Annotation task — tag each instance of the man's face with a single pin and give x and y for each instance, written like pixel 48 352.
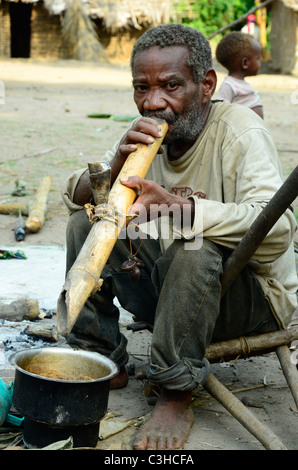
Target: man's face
pixel 164 88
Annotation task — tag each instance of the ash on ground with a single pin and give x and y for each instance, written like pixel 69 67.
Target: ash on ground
pixel 14 338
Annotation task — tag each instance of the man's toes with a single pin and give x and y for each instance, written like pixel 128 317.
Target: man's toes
pixel 140 442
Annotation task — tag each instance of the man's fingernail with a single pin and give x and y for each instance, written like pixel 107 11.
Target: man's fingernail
pixel 124 179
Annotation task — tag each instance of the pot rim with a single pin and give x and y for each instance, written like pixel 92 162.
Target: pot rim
pixel 114 369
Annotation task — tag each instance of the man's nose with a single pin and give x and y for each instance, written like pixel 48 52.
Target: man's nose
pixel 154 100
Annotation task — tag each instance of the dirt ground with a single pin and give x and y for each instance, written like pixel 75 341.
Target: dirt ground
pixel 45 130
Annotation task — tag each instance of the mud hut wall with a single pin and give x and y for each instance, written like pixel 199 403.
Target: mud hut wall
pixel 46 37
pixel 4 30
pixel 284 38
pixel 118 45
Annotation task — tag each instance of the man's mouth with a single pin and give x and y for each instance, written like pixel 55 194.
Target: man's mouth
pixel 169 118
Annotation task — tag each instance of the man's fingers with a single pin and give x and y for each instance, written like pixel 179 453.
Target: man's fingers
pixel 149 127
pixel 132 182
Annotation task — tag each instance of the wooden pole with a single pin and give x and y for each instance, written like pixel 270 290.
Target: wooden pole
pixel 261 16
pixel 13 208
pixel 250 345
pixel 37 211
pixel 20 309
pixel 289 369
pixel 239 20
pixel 83 279
pixel 232 404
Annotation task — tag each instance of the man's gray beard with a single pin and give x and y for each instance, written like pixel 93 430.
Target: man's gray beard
pixel 184 128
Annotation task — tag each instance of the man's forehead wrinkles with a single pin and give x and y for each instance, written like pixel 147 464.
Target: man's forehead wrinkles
pixel 162 77
pixel 162 60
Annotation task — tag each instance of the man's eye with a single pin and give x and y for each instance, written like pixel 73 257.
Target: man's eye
pixel 171 85
pixel 140 88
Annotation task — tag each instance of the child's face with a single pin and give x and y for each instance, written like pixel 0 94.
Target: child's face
pixel 253 60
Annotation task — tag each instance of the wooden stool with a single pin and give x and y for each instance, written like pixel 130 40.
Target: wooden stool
pixel 245 347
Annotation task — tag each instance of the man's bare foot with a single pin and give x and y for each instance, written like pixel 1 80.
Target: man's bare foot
pixel 120 380
pixel 170 423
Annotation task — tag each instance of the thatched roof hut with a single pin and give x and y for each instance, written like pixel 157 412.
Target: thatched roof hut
pixel 119 14
pixel 80 29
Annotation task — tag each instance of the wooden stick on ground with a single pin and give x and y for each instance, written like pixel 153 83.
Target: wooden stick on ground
pixel 19 309
pixel 13 208
pixel 232 404
pixel 289 370
pixel 37 212
pixel 43 332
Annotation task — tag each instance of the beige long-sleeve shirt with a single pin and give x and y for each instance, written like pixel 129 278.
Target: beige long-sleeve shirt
pixel 231 171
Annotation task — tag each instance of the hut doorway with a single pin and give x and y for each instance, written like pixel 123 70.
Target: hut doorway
pixel 20 29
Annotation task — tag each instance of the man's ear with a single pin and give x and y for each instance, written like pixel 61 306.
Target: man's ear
pixel 208 85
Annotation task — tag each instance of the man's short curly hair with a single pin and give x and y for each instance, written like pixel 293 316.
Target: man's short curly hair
pixel 200 56
pixel 233 46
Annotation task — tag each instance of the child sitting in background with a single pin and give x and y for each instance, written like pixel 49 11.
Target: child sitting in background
pixel 240 54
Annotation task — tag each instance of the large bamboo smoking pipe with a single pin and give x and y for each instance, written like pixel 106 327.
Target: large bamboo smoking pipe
pixel 83 279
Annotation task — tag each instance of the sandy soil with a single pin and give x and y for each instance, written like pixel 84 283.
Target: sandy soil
pixel 45 131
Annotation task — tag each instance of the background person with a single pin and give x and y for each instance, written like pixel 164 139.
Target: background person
pixel 240 54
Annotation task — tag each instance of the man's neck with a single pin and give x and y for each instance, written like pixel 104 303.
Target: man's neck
pixel 178 148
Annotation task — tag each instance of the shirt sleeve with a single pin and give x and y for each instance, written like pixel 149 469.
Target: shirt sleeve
pixel 256 178
pixel 68 190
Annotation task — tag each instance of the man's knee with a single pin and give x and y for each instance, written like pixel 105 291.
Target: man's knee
pixel 206 252
pixel 199 264
pixel 77 230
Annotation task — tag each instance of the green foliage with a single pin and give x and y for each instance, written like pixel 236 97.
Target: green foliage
pixel 208 16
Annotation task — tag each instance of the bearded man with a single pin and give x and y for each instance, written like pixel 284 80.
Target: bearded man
pixel 218 168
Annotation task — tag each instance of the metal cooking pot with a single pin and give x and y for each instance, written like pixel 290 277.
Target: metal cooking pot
pixel 61 389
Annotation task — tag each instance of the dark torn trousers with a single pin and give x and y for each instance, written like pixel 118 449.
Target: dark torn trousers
pixel 179 292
